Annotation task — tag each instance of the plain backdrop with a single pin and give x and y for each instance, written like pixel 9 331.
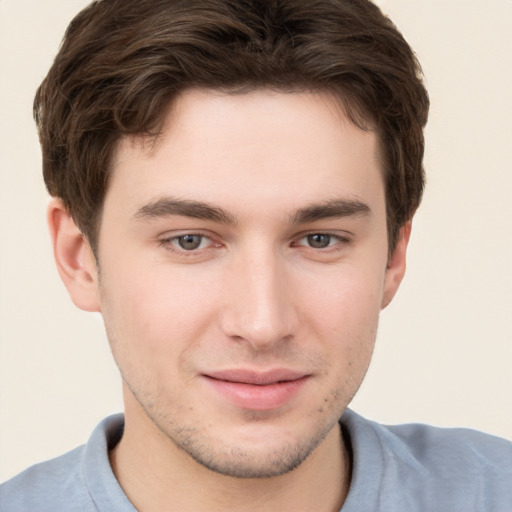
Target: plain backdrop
pixel 444 350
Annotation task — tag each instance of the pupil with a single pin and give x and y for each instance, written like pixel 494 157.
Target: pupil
pixel 190 242
pixel 319 241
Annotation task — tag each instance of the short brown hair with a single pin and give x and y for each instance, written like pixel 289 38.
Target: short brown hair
pixel 122 62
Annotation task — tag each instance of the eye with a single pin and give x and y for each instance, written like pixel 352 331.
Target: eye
pixel 320 240
pixel 323 244
pixel 188 242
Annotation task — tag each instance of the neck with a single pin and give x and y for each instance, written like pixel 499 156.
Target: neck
pixel 158 476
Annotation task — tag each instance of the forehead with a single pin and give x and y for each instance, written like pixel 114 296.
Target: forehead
pixel 261 147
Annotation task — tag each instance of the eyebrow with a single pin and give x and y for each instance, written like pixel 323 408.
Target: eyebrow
pixel 168 206
pixel 335 208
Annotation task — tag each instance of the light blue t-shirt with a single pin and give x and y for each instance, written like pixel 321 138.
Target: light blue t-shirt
pixel 403 468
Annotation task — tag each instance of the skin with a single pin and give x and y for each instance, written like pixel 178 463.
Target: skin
pixel 251 235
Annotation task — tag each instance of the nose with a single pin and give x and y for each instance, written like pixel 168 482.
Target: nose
pixel 259 308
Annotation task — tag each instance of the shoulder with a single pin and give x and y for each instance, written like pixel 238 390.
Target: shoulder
pixel 443 468
pixel 44 486
pixel 435 444
pixel 77 481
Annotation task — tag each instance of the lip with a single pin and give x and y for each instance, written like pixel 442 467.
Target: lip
pixel 257 391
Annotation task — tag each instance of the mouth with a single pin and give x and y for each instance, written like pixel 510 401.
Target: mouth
pixel 257 391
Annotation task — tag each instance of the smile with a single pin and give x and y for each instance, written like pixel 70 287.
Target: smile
pixel 256 391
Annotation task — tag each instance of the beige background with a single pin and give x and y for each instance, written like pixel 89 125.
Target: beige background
pixel 444 351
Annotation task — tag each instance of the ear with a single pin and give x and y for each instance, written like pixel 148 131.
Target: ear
pixel 74 257
pixel 396 265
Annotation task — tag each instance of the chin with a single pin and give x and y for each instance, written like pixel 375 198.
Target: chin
pixel 262 454
pixel 240 463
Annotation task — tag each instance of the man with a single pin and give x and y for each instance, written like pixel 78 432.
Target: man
pixel 233 185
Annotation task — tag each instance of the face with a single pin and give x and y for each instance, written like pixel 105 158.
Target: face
pixel 243 265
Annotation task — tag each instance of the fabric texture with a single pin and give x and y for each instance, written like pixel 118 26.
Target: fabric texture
pixel 395 468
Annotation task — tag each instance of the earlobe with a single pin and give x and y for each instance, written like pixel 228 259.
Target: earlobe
pixel 396 265
pixel 74 258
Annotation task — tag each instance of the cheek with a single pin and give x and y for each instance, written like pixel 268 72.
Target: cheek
pixel 152 316
pixel 347 303
pixel 344 312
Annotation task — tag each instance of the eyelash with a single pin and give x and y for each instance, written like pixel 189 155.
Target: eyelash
pixel 340 242
pixel 169 244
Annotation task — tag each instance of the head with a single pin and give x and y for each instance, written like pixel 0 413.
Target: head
pixel 244 175
pixel 123 63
